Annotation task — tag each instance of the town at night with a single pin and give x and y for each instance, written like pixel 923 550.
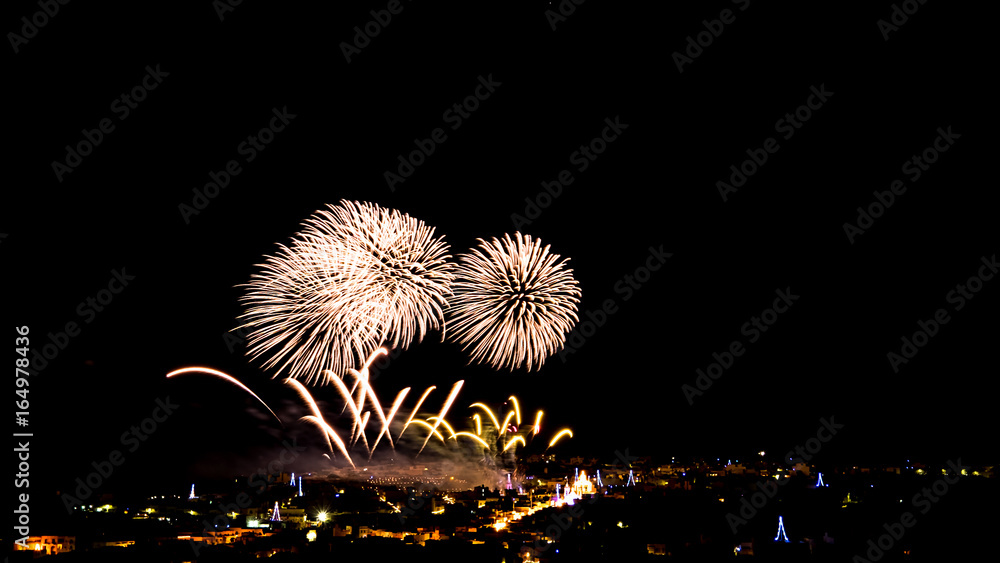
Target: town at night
pixel 542 282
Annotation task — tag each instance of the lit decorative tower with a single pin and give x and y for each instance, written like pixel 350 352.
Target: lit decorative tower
pixel 558 490
pixel 577 474
pixel 191 496
pixel 293 479
pixel 582 486
pixel 300 485
pixel 275 515
pixel 599 483
pixel 819 482
pixel 510 486
pixel 631 479
pixel 781 530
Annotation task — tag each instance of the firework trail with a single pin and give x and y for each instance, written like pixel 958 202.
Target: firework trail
pixel 505 421
pixel 429 427
pixel 560 434
pixel 330 435
pixel 473 436
pixel 514 440
pixel 357 275
pixel 306 396
pixel 361 417
pixel 493 417
pixel 317 418
pixel 368 393
pixel 227 377
pixel 514 303
pixel 517 408
pixel 444 410
pixel 361 432
pixel 345 394
pixel 415 409
pixel 361 377
pixel 392 415
pixel 445 423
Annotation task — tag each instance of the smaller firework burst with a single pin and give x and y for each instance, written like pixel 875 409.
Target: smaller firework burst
pixel 514 302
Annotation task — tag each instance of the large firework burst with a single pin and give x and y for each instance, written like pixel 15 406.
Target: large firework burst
pixel 357 276
pixel 514 302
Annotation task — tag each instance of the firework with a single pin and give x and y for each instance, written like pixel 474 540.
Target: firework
pixel 500 448
pixel 361 431
pixel 317 418
pixel 504 426
pixel 330 435
pixel 358 275
pixel 368 393
pixel 517 408
pixel 415 409
pixel 392 414
pixel 355 410
pixel 429 427
pixel 445 423
pixel 223 375
pixel 444 410
pixel 513 441
pixel 493 417
pixel 538 423
pixel 560 434
pixel 514 302
pixel 474 437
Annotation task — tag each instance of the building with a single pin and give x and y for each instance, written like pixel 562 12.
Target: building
pixel 49 545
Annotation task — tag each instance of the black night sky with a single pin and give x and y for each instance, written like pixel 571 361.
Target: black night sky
pixel 653 186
